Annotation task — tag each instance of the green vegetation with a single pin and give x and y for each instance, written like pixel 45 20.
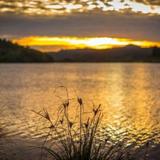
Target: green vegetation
pixel 10 52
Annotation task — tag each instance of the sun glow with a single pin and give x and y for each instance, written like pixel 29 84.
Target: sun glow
pixel 81 43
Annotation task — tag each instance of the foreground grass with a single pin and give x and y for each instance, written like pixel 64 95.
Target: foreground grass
pixel 79 136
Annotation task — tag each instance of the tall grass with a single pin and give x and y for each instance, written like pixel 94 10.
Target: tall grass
pixel 77 137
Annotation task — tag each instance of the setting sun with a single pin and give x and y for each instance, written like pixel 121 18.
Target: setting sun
pixel 79 79
pixel 82 43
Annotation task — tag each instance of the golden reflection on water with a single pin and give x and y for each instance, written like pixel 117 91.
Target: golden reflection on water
pixel 129 95
pixel 142 108
pixel 131 108
pixel 142 122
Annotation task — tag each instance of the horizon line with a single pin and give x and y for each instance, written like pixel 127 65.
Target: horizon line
pixel 49 43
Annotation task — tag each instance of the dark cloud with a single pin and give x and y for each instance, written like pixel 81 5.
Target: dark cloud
pixel 83 24
pixel 111 18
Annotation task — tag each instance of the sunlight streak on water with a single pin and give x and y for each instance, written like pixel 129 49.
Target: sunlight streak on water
pixel 129 94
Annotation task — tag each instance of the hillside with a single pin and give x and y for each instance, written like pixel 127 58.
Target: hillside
pixel 10 52
pixel 125 54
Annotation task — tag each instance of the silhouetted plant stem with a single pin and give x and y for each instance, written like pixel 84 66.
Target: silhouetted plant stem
pixel 79 139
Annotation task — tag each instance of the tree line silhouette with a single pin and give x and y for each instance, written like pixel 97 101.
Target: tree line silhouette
pixel 12 52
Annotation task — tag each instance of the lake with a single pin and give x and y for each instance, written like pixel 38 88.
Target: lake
pixel 129 95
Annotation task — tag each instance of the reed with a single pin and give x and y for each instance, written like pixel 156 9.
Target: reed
pixel 79 138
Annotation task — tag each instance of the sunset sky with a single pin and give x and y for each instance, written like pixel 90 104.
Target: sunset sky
pixel 70 24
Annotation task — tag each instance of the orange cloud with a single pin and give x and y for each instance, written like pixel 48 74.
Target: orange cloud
pixel 81 43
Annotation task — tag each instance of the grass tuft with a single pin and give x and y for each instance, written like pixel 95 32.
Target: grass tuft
pixel 78 137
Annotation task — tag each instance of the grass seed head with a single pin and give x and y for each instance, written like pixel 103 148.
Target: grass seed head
pixel 80 101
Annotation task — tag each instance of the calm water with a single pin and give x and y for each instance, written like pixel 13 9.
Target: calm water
pixel 129 94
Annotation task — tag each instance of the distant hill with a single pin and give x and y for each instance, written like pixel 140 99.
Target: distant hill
pixel 128 53
pixel 10 52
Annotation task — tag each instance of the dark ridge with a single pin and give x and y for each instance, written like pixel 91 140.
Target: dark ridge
pixel 128 53
pixel 10 52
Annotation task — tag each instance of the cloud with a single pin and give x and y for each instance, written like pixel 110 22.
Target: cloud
pixel 65 7
pixel 135 19
pixel 81 42
pixel 138 27
pixel 150 2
